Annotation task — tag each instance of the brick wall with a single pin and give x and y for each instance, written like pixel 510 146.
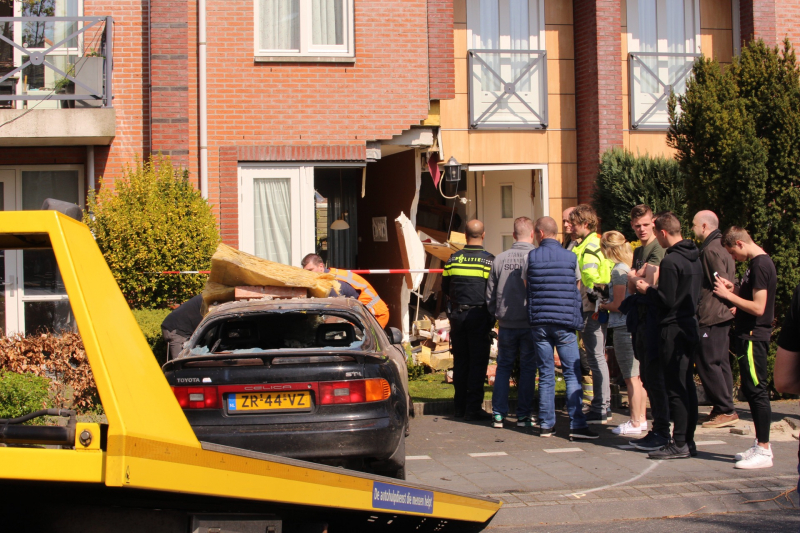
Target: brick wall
pixel 788 21
pixel 770 20
pixel 440 49
pixel 598 86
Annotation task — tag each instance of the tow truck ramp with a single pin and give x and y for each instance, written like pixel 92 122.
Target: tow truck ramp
pixel 146 471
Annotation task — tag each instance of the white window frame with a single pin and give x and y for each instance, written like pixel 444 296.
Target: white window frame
pixel 308 52
pixel 15 314
pixel 634 46
pixel 536 12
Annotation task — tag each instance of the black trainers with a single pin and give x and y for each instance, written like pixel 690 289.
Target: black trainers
pixel 670 451
pixel 478 415
pixel 582 433
pixel 692 449
pixel 650 442
pixel 596 418
pixel 546 432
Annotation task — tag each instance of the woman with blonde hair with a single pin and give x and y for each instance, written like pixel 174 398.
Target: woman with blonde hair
pixel 617 249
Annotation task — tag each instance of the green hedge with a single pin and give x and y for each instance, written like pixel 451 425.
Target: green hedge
pixel 150 323
pixel 21 394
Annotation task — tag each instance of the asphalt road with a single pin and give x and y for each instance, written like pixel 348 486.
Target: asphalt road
pixel 551 484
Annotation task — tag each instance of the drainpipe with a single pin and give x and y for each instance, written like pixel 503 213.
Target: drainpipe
pixel 90 167
pixel 202 95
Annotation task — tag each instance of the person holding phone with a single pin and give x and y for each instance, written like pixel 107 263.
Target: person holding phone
pixel 755 310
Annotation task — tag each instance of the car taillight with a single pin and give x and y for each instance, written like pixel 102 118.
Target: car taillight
pixel 356 391
pixel 197 397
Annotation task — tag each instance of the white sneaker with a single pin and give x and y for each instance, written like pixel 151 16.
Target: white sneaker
pixel 628 429
pixel 759 458
pixel 748 453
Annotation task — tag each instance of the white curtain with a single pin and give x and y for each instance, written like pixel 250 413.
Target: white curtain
pixel 327 22
pixel 279 25
pixel 272 218
pixel 520 40
pixel 489 39
pixel 648 42
pixel 676 41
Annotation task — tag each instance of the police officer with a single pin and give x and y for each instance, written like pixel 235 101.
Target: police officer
pixel 464 282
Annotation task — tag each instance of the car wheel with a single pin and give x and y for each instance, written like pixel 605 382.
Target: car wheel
pixel 395 466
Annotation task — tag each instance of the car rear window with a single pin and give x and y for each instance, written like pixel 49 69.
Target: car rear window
pixel 253 333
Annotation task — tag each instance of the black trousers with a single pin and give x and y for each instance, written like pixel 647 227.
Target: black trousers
pixel 752 358
pixel 714 366
pixel 676 353
pixel 653 379
pixel 470 342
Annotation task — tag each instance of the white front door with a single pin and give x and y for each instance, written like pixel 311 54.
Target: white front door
pixel 276 212
pixel 505 196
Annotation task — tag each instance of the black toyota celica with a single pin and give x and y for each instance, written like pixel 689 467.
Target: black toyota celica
pixel 314 379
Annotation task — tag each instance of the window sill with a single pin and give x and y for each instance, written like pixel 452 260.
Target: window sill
pixel 304 59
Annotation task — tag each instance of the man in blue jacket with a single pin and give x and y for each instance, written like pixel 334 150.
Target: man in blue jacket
pixel 554 314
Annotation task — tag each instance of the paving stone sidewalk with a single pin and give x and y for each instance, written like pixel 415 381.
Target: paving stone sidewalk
pixel 552 480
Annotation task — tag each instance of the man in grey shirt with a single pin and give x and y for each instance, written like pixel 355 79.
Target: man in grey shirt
pixel 506 299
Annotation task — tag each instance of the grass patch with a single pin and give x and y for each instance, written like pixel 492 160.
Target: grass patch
pixel 432 388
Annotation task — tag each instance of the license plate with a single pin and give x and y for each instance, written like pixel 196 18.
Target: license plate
pixel 270 401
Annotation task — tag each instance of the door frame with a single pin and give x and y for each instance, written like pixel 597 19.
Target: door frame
pixel 474 191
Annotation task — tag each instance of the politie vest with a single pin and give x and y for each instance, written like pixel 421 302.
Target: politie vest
pixel 366 294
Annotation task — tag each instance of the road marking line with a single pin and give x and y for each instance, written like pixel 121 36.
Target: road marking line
pixel 626 447
pixel 579 495
pixel 709 442
pixel 417 457
pixel 487 454
pixel 563 450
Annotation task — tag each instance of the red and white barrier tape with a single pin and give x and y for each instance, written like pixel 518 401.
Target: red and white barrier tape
pixel 369 271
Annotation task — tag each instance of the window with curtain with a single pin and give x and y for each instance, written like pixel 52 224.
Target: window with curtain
pixel 272 216
pixel 664 42
pixel 507 88
pixel 304 28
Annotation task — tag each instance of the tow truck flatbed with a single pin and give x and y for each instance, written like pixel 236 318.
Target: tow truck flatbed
pixel 147 470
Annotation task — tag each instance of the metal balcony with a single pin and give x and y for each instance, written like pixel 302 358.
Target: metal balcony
pixel 653 76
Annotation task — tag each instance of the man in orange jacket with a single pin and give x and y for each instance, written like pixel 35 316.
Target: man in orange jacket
pixel 352 286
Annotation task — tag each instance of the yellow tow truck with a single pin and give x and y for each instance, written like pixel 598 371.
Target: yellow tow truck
pixel 145 470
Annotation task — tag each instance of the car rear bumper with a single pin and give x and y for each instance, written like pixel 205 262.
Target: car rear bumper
pixel 339 441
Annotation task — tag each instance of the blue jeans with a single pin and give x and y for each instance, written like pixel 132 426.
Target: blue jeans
pixel 545 339
pixel 510 342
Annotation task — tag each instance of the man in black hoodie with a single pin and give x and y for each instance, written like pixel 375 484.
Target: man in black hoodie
pixel 676 297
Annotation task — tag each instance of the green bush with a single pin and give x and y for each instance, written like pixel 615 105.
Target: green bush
pixel 625 180
pixel 150 221
pixel 21 394
pixel 150 323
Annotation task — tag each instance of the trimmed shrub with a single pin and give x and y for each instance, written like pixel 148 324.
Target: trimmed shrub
pixel 21 394
pixel 626 180
pixel 150 322
pixel 154 220
pixel 61 359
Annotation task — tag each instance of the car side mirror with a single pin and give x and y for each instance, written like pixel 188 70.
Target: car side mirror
pixel 395 335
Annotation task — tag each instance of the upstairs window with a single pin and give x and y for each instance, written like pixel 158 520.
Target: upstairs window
pixel 304 30
pixel 663 42
pixel 507 64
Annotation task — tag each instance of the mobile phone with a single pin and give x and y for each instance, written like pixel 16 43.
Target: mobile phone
pixel 716 274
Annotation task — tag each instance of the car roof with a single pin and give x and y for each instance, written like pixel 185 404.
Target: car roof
pixel 301 304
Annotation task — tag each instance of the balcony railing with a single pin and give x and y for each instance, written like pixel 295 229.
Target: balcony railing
pixel 653 75
pixel 51 66
pixel 508 89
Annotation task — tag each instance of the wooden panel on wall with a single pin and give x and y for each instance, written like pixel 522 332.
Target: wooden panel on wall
pixel 561 111
pixel 717 44
pixel 461 76
pixel 650 142
pixel 455 112
pixel 500 147
pixel 623 13
pixel 624 48
pixel 716 14
pixel 562 146
pixel 626 112
pixel 625 76
pixel 557 206
pixel 558 11
pixel 559 42
pixel 456 144
pixel 460 41
pixel 460 11
pixel 563 180
pixel 560 76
